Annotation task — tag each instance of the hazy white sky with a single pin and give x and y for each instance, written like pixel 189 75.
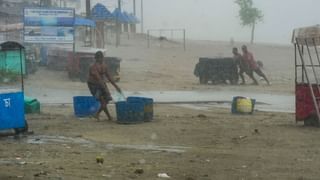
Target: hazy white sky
pixel 218 19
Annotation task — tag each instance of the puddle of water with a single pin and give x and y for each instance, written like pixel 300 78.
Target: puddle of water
pixel 44 139
pixel 276 102
pixel 8 162
pixel 258 107
pixel 175 149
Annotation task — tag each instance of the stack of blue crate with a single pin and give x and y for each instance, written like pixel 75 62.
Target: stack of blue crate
pixel 134 110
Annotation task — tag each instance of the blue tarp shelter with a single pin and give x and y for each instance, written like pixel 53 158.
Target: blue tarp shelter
pixel 134 18
pixel 84 22
pixel 100 12
pixel 130 20
pixel 118 15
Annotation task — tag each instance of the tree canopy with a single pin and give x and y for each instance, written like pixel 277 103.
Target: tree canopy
pixel 248 14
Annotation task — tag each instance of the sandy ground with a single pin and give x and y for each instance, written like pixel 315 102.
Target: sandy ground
pixel 184 143
pixel 191 145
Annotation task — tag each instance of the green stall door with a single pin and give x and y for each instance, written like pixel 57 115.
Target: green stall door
pixel 10 61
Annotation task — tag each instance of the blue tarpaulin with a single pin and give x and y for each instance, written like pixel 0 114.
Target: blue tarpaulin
pixel 134 19
pixel 84 22
pixel 118 15
pixel 129 19
pixel 100 12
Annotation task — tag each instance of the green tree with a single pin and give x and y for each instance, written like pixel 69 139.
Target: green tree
pixel 249 15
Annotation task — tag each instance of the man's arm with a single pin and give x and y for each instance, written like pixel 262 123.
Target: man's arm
pixel 111 80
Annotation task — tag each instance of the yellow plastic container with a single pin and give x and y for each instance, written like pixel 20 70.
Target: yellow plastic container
pixel 244 105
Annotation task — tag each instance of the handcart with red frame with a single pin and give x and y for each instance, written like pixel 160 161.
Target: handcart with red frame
pixel 307 74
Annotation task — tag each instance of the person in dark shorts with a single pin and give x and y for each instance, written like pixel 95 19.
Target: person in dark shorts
pixel 253 66
pixel 97 85
pixel 243 66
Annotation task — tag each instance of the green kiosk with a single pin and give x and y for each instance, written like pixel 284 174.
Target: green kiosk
pixel 12 69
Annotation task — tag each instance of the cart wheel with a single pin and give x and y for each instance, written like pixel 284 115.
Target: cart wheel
pixel 312 120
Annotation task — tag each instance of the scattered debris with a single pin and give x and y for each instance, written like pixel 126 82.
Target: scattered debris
pixel 139 171
pixel 238 139
pixel 154 136
pixel 78 136
pixel 242 137
pixel 60 168
pixel 22 163
pixel 163 175
pixel 99 160
pixel 190 178
pixel 142 161
pixel 202 116
pixel 106 175
pixel 256 131
pixel 40 173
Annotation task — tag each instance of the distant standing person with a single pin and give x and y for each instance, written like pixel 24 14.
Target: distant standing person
pixel 97 85
pixel 243 66
pixel 253 66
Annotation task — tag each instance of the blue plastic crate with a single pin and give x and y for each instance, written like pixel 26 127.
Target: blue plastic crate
pixel 148 106
pixel 85 105
pixel 130 112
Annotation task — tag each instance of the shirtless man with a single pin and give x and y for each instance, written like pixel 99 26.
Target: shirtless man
pixel 97 86
pixel 253 66
pixel 243 66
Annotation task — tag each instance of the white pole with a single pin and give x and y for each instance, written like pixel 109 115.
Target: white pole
pixel 142 17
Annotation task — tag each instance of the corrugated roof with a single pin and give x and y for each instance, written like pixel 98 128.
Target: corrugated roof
pixel 118 15
pixel 134 18
pixel 307 35
pixel 100 12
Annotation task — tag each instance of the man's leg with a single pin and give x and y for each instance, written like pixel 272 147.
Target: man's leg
pixel 103 107
pixel 250 74
pixel 107 113
pixel 242 76
pixel 106 98
pixel 260 73
pixel 97 94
